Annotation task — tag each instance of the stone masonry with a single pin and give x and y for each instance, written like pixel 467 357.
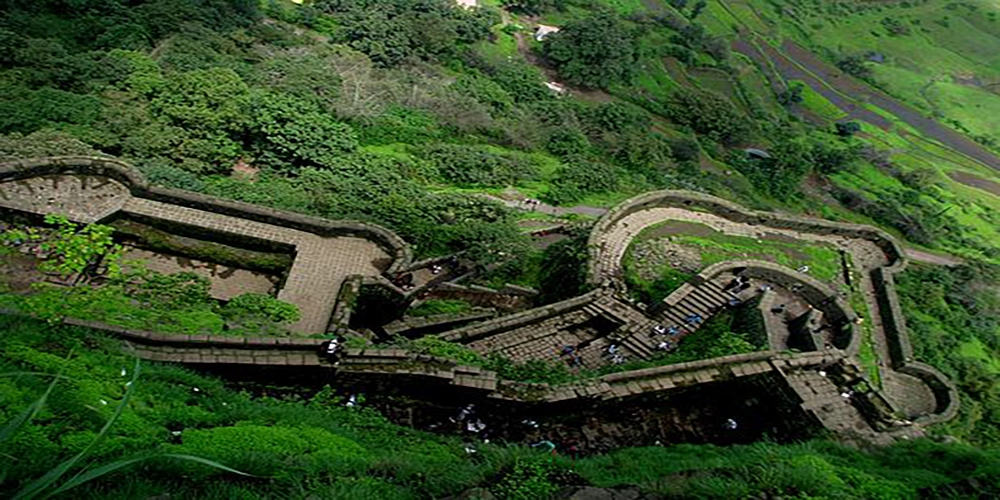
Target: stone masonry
pixel 322 262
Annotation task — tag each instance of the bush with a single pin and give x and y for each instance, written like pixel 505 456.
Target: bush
pixel 478 166
pixel 579 177
pixel 254 310
pixel 709 114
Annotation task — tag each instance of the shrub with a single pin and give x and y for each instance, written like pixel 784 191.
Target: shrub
pixel 708 113
pixel 258 309
pixel 579 177
pixel 474 165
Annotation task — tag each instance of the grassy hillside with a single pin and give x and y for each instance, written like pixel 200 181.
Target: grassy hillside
pixel 313 445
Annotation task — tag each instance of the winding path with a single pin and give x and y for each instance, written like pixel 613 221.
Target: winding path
pixel 912 253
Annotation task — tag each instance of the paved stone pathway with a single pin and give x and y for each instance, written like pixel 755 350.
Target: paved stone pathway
pixel 321 264
pixel 82 198
pixel 616 240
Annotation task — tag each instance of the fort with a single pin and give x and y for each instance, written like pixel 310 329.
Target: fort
pixel 813 332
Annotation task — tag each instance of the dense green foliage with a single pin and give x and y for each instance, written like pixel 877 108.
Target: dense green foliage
pixel 594 52
pixel 316 446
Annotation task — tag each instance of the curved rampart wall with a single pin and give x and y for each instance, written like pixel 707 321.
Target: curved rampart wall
pixel 140 188
pixel 901 351
pixel 722 208
pixel 882 278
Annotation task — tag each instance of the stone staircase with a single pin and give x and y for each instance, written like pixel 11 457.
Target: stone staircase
pixel 704 300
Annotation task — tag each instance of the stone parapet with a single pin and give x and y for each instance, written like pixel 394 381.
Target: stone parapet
pixel 139 187
pixel 702 202
pixel 470 333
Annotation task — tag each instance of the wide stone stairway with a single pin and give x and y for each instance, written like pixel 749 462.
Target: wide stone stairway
pixel 703 301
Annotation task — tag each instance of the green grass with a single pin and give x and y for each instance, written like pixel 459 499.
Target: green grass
pixel 815 102
pixel 440 306
pixel 975 349
pixel 946 40
pixel 866 351
pixel 823 260
pixel 504 45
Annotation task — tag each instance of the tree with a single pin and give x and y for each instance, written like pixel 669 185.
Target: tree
pixel 792 95
pixel 594 52
pixel 854 64
pixel 708 113
pixel 392 31
pixel 563 272
pixel 205 100
pixel 698 7
pixel 685 150
pixel 533 7
pixel 289 130
pixel 830 158
pixel 780 175
pixel 76 252
pixel 847 129
pixel 206 111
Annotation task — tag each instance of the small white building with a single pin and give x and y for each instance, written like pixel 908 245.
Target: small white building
pixel 543 31
pixel 467 4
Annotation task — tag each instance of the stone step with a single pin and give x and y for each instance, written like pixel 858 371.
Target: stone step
pixel 704 306
pixel 704 301
pixel 672 318
pixel 692 307
pixel 713 294
pixel 636 344
pixel 593 310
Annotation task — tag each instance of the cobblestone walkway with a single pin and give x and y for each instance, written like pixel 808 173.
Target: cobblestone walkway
pixel 616 240
pixel 321 264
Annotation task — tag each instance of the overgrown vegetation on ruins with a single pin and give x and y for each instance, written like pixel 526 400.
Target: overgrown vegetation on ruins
pixel 405 113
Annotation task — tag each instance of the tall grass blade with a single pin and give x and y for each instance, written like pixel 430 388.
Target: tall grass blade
pixel 29 412
pixel 205 461
pixel 95 473
pixel 39 485
pixel 37 374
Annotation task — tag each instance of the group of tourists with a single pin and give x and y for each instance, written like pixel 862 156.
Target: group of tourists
pixel 615 355
pixel 570 352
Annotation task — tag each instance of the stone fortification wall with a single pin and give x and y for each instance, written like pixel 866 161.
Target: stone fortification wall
pixel 893 321
pixel 832 306
pixel 507 298
pixel 722 208
pixel 901 351
pixel 814 291
pixel 139 187
pixel 513 321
